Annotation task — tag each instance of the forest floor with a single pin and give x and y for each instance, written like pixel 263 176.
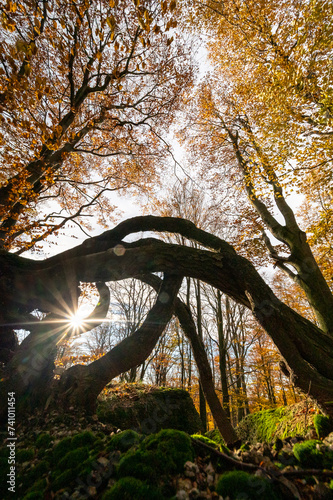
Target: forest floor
pixel 79 457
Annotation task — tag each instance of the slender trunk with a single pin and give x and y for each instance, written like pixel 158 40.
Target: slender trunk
pixel 222 356
pixel 284 397
pixel 202 400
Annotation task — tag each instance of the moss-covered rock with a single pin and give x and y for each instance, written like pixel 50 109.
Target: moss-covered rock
pixel 309 454
pixel 129 488
pixel 148 410
pixel 43 441
pixel 240 484
pixel 61 449
pixel 157 455
pixel 24 455
pixel 322 425
pixel 73 458
pixel 124 440
pixel 268 425
pixel 63 479
pixel 86 438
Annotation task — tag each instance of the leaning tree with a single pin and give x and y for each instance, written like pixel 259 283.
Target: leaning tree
pixel 51 286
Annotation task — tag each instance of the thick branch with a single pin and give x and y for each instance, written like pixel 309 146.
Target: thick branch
pixel 82 384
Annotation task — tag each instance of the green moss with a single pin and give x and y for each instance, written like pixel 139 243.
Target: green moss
pixel 322 425
pixel 215 435
pixel 34 495
pixel 172 443
pixel 43 441
pixel 150 411
pixel 83 439
pixel 25 455
pixel 37 471
pixel 73 458
pixel 268 425
pixel 239 484
pixel 157 455
pixel 123 441
pixel 60 450
pixel 128 488
pixel 38 486
pixel 206 440
pixel 63 479
pixel 261 426
pixel 139 464
pixel 308 454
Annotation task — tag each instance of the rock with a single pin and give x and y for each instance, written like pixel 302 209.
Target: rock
pixel 210 480
pixel 104 461
pixel 149 411
pixel 182 495
pixel 92 491
pixel 184 484
pixel 322 492
pixel 191 469
pixel 329 440
pixel 195 493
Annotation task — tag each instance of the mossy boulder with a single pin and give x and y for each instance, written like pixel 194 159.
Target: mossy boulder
pixel 322 425
pixel 73 458
pixel 25 455
pixel 286 421
pixel 157 455
pixel 313 454
pixel 129 488
pixel 240 484
pixel 148 409
pixel 44 440
pixel 124 440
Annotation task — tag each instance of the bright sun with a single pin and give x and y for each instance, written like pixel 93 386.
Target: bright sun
pixel 76 320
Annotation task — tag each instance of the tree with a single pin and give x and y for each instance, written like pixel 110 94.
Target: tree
pixel 86 89
pixel 254 129
pixel 306 349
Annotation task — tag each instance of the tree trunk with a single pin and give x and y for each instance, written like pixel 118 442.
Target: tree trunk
pixel 222 356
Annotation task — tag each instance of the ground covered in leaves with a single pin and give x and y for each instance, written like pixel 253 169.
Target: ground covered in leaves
pixel 79 457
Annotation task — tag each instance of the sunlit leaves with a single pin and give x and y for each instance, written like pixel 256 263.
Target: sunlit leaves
pixel 86 78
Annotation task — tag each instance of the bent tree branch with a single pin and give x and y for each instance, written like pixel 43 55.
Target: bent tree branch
pixel 51 284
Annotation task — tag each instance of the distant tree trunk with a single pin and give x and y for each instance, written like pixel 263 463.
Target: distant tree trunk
pixel 284 397
pixel 222 356
pixel 202 400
